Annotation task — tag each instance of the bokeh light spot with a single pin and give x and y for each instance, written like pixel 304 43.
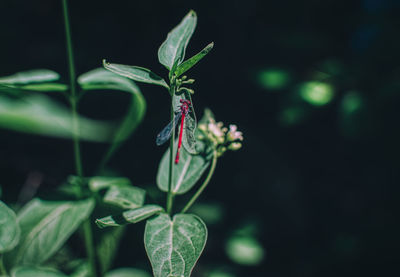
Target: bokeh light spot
pixel 273 79
pixel 316 93
pixel 351 102
pixel 220 273
pixel 211 213
pixel 291 116
pixel 244 250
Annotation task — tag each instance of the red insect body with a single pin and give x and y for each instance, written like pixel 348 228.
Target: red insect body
pixel 184 112
pixel 180 138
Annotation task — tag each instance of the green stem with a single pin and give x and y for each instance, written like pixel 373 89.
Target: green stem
pixel 3 271
pixel 73 96
pixel 88 235
pixel 170 196
pixel 89 245
pixel 204 185
pixel 77 148
pixel 107 157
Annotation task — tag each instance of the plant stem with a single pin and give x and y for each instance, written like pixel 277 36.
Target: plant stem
pixel 77 148
pixel 73 97
pixel 106 157
pixel 170 196
pixel 90 250
pixel 3 271
pixel 204 185
pixel 87 230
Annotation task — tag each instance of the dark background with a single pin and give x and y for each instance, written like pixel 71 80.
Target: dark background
pixel 321 188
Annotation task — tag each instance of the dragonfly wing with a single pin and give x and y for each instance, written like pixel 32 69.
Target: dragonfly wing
pixel 165 134
pixel 189 138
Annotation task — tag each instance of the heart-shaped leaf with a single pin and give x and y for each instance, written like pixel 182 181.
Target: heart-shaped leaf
pixel 174 247
pixel 172 50
pixel 45 226
pixel 9 229
pixel 186 173
pixel 136 73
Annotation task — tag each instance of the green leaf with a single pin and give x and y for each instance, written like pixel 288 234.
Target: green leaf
pixel 38 114
pixel 31 76
pixel 101 79
pixel 46 87
pixel 45 226
pixel 188 136
pixel 9 229
pixel 186 65
pixel 172 50
pixel 130 216
pixel 82 270
pixel 136 73
pixel 101 182
pixel 126 197
pixel 127 272
pixel 26 271
pixel 72 187
pixel 34 87
pixel 174 247
pixel 107 247
pixel 186 173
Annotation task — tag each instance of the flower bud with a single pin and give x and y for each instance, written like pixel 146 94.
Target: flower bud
pixel 234 146
pixel 189 82
pixel 202 127
pixel 221 151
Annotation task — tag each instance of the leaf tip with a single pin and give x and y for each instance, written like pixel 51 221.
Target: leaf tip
pixel 192 13
pixel 208 48
pixel 99 224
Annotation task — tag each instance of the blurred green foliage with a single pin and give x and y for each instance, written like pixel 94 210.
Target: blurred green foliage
pixel 273 79
pixel 244 250
pixel 316 93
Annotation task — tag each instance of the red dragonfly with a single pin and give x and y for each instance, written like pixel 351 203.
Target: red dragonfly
pixel 165 134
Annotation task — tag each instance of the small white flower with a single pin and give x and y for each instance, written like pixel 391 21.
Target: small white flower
pixel 234 134
pixel 221 137
pixel 216 129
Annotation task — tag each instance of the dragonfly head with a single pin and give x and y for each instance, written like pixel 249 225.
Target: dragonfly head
pixel 185 105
